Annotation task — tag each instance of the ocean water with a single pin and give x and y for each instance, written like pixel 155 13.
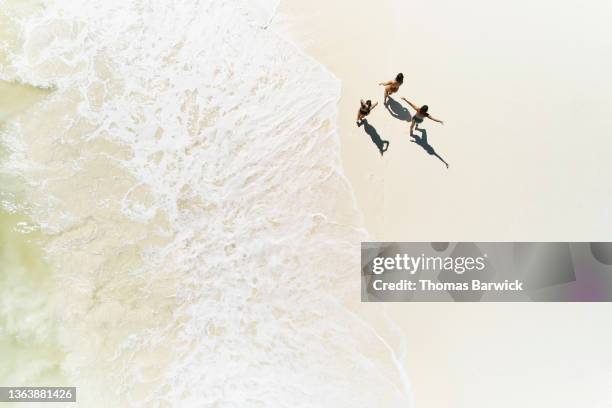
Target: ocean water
pixel 176 228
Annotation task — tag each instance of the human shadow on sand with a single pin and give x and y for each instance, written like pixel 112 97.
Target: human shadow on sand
pixel 382 145
pixel 422 141
pixel 397 110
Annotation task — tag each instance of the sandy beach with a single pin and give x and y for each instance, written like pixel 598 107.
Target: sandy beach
pixel 183 194
pixel 527 122
pixel 526 114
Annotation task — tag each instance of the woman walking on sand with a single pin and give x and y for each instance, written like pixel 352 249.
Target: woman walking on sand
pixel 392 87
pixel 420 115
pixel 364 110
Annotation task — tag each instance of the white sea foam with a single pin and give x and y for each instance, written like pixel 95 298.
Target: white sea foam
pixel 202 240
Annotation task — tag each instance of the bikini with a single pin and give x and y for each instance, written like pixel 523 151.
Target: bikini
pixel 419 119
pixel 364 110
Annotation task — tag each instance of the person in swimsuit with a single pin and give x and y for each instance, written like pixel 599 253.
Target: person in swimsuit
pixel 392 87
pixel 364 110
pixel 420 115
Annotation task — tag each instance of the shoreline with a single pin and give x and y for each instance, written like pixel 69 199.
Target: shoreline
pixel 286 33
pixel 237 201
pixel 509 170
pixel 440 355
pixel 500 185
pixel 292 28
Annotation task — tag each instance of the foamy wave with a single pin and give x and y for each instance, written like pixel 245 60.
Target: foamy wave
pixel 204 242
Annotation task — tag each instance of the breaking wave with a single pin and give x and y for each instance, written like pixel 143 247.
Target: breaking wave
pixel 183 175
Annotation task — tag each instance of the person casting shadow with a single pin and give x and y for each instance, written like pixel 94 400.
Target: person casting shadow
pixel 422 141
pixel 421 114
pixel 364 110
pixel 382 145
pixel 397 110
pixel 393 86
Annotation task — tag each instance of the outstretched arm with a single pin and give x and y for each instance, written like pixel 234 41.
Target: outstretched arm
pixel 416 108
pixel 435 120
pixel 373 106
pixel 386 83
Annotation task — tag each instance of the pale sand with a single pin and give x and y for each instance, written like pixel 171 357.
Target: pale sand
pixel 524 90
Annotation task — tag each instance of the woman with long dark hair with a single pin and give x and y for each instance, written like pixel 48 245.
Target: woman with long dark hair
pixel 392 87
pixel 421 114
pixel 364 110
